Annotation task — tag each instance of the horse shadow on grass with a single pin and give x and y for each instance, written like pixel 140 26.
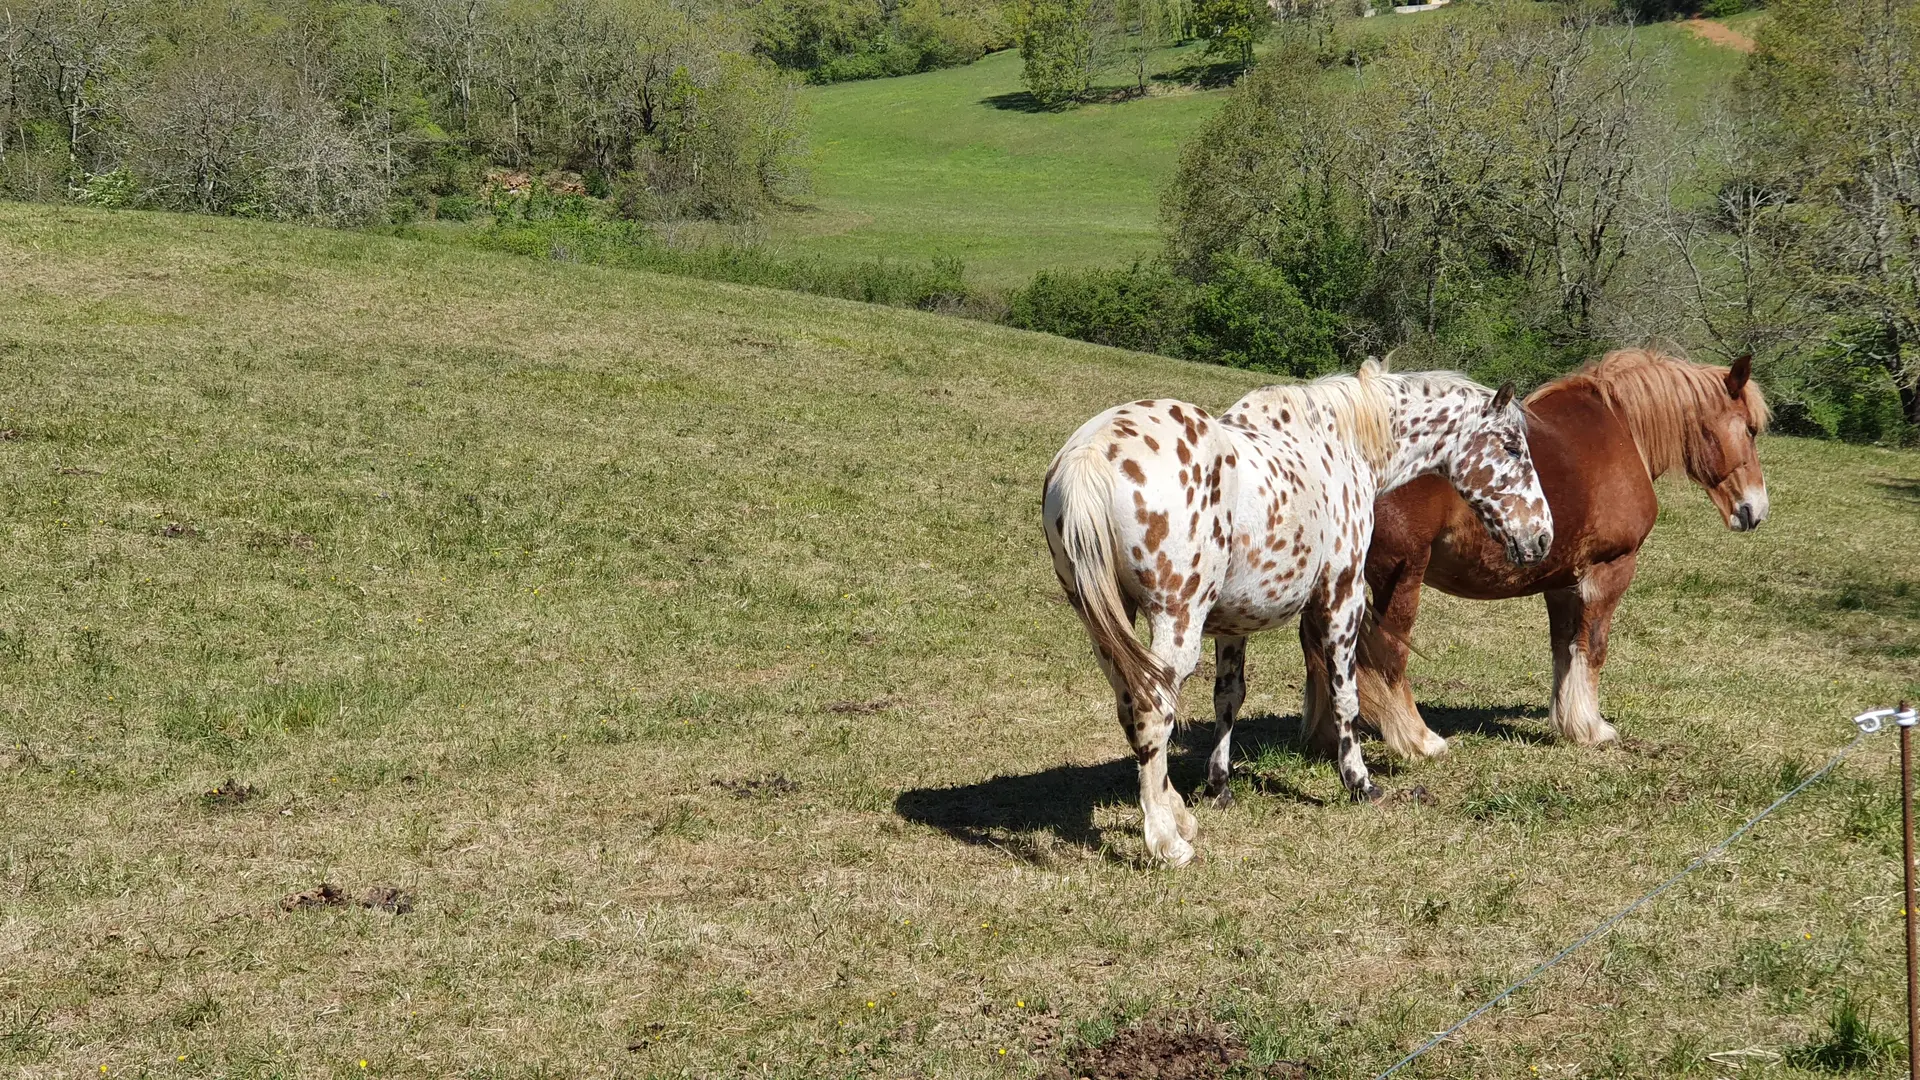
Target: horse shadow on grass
pixel 1495 723
pixel 1058 804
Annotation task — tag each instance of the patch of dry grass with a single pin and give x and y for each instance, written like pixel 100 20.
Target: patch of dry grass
pixel 689 655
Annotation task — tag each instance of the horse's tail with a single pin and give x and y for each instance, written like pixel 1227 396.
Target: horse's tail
pixel 1082 490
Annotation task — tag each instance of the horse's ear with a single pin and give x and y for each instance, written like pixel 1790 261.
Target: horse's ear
pixel 1738 374
pixel 1502 397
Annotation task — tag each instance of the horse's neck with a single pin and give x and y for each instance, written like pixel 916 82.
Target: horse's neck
pixel 1619 410
pixel 1422 445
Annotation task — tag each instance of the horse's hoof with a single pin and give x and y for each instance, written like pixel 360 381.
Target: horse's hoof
pixel 1222 799
pixel 1372 793
pixel 1175 854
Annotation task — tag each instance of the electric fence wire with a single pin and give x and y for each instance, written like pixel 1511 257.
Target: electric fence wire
pixel 1611 921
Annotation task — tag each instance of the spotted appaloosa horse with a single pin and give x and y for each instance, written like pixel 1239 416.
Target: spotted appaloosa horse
pixel 1218 528
pixel 1600 437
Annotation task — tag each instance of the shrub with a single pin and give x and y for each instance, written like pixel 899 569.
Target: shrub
pixel 1843 389
pixel 1251 316
pixel 571 229
pixel 838 40
pixel 1144 307
pixel 456 208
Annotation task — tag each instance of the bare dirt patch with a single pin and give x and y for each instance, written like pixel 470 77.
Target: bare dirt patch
pixel 1417 795
pixel 764 787
pixel 326 894
pixel 1172 1048
pixel 228 794
pixel 1721 34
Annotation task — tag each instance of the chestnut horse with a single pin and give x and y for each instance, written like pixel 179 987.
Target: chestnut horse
pixel 1599 438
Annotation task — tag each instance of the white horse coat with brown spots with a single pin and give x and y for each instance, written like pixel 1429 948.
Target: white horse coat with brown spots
pixel 1222 527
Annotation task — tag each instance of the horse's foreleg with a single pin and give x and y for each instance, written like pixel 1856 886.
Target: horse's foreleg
pixel 1229 691
pixel 1580 619
pixel 1386 697
pixel 1335 631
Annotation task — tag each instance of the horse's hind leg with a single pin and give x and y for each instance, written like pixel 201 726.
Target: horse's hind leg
pixel 1331 630
pixel 1229 691
pixel 1581 618
pixel 1147 717
pixel 1386 697
pixel 1170 826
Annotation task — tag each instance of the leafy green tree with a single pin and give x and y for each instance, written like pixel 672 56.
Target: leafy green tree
pixel 1064 45
pixel 1232 27
pixel 1148 26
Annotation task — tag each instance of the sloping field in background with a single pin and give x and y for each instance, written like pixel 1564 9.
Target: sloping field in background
pixel 955 163
pixel 690 655
pixel 950 163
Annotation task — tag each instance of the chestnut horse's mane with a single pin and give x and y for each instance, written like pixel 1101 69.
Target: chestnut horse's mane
pixel 1662 399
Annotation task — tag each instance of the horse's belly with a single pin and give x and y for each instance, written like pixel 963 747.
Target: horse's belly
pixel 1251 603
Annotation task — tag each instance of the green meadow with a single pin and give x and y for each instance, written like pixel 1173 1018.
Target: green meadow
pixel 955 163
pixel 687 654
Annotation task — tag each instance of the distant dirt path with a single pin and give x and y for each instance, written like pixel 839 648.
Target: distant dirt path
pixel 1721 34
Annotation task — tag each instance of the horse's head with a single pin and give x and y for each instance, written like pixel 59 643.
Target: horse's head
pixel 1492 468
pixel 1721 455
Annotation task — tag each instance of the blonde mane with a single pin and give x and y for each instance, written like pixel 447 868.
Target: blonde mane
pixel 1662 399
pixel 1358 405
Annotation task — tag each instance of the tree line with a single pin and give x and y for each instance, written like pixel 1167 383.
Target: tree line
pixel 825 41
pixel 352 111
pixel 1509 192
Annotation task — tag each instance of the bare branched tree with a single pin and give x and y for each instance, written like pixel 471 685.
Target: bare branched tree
pixel 1729 246
pixel 1835 92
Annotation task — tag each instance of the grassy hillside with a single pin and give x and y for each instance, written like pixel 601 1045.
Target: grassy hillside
pixel 955 163
pixel 951 163
pixel 690 654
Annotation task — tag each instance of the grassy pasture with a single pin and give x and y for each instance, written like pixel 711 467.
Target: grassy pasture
pixel 951 163
pixel 689 653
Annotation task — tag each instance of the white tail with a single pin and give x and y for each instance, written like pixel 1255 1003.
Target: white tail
pixel 1083 486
